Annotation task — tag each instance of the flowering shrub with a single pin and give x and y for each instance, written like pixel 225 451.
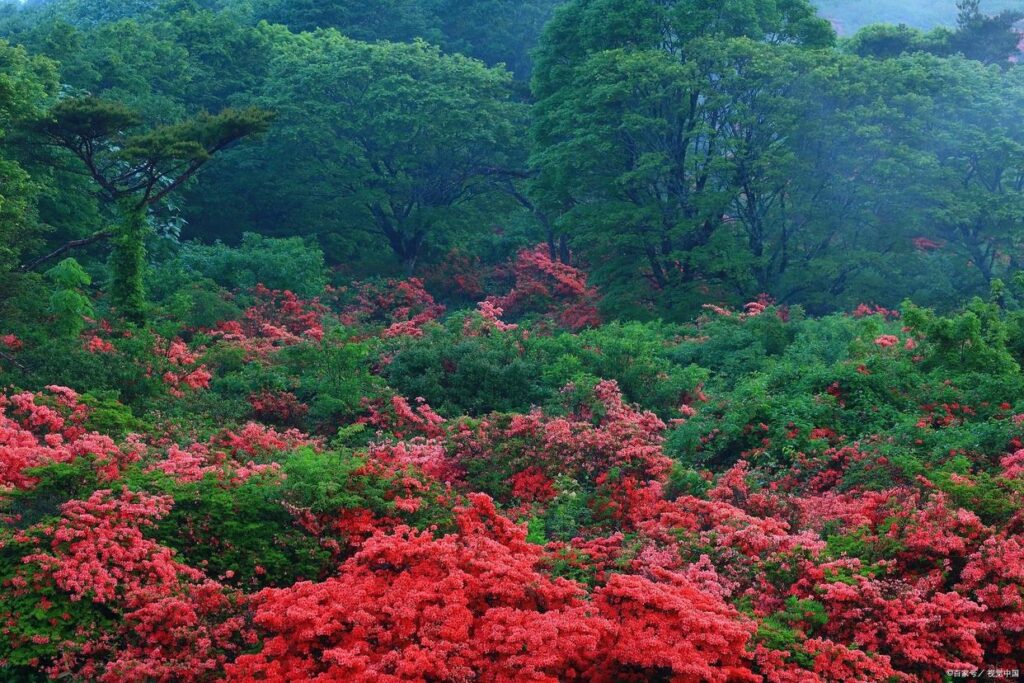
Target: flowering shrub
pixel 489 319
pixel 276 319
pixel 475 604
pixel 99 345
pixel 555 290
pixel 403 419
pixel 402 306
pixel 11 342
pixel 280 407
pixel 96 552
pixel 612 449
pixel 753 497
pixel 42 429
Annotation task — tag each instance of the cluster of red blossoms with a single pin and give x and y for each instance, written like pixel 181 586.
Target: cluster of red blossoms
pixel 555 290
pixel 680 588
pixel 555 544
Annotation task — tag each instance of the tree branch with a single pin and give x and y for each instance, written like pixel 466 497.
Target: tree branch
pixel 10 359
pixel 68 246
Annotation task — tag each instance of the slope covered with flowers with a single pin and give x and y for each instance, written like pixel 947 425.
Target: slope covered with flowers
pixel 365 486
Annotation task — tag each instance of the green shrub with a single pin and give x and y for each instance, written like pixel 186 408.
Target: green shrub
pixel 278 263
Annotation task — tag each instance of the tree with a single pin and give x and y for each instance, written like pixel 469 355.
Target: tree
pixel 648 116
pixel 368 20
pixel 830 217
pixel 987 38
pixel 25 82
pixel 495 31
pixel 136 171
pixel 992 39
pixel 978 197
pixel 398 139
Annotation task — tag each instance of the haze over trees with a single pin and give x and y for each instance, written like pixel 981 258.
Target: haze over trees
pixel 490 340
pixel 853 15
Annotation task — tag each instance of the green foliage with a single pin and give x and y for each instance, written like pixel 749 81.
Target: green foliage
pixel 199 304
pixel 109 416
pixel 830 373
pixel 327 482
pixel 136 171
pixel 283 264
pixel 779 179
pixel 862 545
pixel 127 267
pixel 974 340
pixel 25 83
pixel 685 481
pixel 409 172
pixel 502 372
pixel 69 304
pixel 332 482
pixel 241 532
pixel 495 31
pixel 785 630
pixel 621 137
pixel 465 375
pixel 994 500
pixel 639 356
pixel 65 362
pixel 42 622
pixel 57 483
pixel 568 513
pixel 332 377
pixel 41 633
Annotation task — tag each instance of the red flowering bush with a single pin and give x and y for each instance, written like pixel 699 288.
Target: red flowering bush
pixel 994 579
pixel 96 552
pixel 864 310
pixel 280 407
pixel 183 371
pixel 779 499
pixel 551 289
pixel 401 306
pixel 404 420
pixel 674 627
pixel 488 319
pixel 921 629
pixel 187 638
pixel 474 604
pixel 11 342
pixel 42 429
pixel 97 344
pixel 887 340
pixel 283 315
pixel 611 448
pixel 467 604
pixel 276 319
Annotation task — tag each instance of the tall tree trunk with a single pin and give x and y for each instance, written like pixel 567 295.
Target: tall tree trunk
pixel 128 263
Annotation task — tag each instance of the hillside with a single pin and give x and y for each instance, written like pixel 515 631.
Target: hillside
pixel 487 341
pixel 310 489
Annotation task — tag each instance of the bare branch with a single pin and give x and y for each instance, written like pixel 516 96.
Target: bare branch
pixel 68 246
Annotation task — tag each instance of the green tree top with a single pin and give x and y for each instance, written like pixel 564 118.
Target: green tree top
pixel 144 166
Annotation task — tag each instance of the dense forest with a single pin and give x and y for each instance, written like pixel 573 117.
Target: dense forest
pixel 511 340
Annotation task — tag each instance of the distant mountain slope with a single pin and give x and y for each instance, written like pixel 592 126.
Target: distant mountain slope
pixel 851 15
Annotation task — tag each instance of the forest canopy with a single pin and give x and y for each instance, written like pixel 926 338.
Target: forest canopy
pixel 683 152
